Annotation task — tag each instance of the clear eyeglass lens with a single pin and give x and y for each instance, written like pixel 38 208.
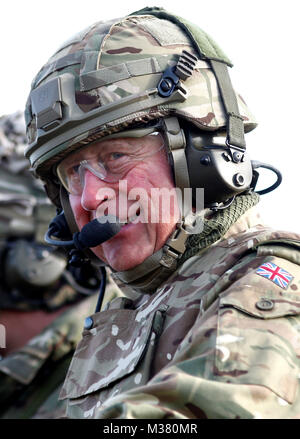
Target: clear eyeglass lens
pixel 109 166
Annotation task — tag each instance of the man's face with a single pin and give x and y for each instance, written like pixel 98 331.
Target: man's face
pixel 149 231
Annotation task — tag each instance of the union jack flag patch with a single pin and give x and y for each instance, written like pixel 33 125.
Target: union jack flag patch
pixel 276 274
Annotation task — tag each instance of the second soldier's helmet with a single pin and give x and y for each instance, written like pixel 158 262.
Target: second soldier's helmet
pixel 32 275
pixel 149 68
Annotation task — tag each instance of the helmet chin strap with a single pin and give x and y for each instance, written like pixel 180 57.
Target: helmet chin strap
pixel 150 273
pixel 164 262
pixel 182 244
pixel 160 265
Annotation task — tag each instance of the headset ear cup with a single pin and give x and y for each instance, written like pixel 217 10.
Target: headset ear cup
pixel 212 167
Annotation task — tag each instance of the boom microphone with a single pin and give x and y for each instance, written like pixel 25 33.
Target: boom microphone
pixel 95 233
pixel 92 234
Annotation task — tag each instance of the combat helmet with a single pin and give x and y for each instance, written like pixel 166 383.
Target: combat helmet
pixel 126 72
pixel 32 275
pixel 120 77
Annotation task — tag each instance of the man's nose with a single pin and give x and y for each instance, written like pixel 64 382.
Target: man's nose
pixel 94 191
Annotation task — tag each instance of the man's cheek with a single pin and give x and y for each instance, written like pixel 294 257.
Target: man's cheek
pixel 137 213
pixel 81 216
pixel 107 207
pixel 139 210
pixel 99 252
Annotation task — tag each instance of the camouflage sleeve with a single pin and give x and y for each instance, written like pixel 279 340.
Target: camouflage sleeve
pixel 240 358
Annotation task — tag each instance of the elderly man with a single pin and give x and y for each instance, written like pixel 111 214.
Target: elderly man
pixel 125 123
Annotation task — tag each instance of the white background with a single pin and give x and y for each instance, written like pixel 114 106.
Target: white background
pixel 261 37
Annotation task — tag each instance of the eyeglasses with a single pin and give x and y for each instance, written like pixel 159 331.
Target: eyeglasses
pixel 108 160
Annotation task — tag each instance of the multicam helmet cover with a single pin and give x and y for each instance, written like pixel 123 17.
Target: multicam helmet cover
pixel 105 79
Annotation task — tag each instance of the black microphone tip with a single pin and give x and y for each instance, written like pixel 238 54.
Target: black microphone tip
pixel 97 231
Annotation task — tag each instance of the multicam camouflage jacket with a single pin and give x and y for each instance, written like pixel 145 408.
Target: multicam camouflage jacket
pixel 31 378
pixel 219 339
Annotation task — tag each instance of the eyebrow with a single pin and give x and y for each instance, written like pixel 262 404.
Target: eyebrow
pixel 105 147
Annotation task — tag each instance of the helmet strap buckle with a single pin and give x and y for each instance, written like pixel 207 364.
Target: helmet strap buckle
pixel 174 248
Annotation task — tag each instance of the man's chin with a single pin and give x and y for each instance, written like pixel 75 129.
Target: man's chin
pixel 132 245
pixel 121 262
pixel 123 257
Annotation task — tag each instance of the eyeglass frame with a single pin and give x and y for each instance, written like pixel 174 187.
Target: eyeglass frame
pixel 132 133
